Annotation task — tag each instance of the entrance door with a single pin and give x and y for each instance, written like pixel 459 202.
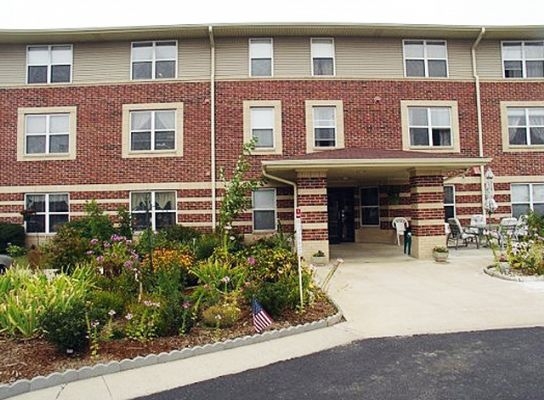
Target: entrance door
pixel 341 215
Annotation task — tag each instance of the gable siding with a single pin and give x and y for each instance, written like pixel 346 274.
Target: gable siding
pixel 101 62
pixel 12 65
pixel 489 60
pixel 231 57
pixel 292 57
pixel 193 59
pixel 459 59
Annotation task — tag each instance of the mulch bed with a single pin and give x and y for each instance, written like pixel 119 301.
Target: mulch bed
pixel 25 359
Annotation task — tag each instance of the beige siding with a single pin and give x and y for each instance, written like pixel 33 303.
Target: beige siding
pixel 194 59
pixel 101 62
pixel 459 59
pixel 232 57
pixel 369 58
pixel 489 59
pixel 292 57
pixel 12 65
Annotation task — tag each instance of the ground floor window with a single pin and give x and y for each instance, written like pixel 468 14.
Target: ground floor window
pixel 153 210
pixel 370 206
pixel 526 197
pixel 46 212
pixel 264 210
pixel 449 202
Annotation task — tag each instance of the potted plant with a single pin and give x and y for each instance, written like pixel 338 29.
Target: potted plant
pixel 440 253
pixel 319 257
pixel 502 264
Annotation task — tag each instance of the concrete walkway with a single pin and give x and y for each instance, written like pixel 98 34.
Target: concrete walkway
pixel 381 291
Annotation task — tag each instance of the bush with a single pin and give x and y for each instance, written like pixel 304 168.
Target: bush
pixel 94 225
pixel 102 302
pixel 66 249
pixel 66 327
pixel 180 234
pixel 11 233
pixel 206 245
pixel 221 315
pixel 143 319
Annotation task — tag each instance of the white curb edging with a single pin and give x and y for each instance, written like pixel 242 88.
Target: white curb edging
pixel 492 271
pixel 71 375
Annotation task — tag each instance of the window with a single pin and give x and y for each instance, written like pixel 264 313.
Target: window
pixel 324 125
pixel 262 126
pixel 49 64
pixel 449 202
pixel 262 122
pixel 152 130
pixel 322 57
pixel 370 206
pixel 525 126
pixel 429 126
pixel 526 197
pixel 46 133
pixel 264 210
pixel 426 58
pixel 523 59
pixel 154 60
pixel 260 57
pixel 50 212
pixel 154 210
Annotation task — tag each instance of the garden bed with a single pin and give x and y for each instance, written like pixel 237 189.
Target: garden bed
pixel 25 359
pixel 513 275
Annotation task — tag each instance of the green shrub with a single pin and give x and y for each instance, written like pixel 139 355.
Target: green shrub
pixel 66 249
pixel 102 302
pixel 125 222
pixel 179 234
pixel 273 296
pixel 94 225
pixel 206 245
pixel 11 233
pixel 143 319
pixel 66 327
pixel 221 315
pixel 15 251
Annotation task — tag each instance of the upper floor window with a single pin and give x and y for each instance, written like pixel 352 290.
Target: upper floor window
pixel 49 64
pixel 47 133
pixel 527 197
pixel 152 130
pixel 322 56
pixel 324 125
pixel 260 57
pixel 430 126
pixel 50 212
pixel 264 210
pixel 154 210
pixel 525 126
pixel 425 58
pixel 262 127
pixel 154 60
pixel 262 123
pixel 523 59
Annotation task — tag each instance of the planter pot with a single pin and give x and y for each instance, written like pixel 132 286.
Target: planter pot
pixel 320 260
pixel 440 257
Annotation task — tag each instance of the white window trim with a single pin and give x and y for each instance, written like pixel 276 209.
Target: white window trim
pixel 21 133
pixel 531 197
pixel 248 135
pixel 153 211
pixel 374 206
pixel 275 209
pixel 154 59
pixel 523 59
pixel 271 57
pixel 333 57
pixel 425 58
pixel 310 131
pixel 47 212
pixel 125 148
pixel 506 146
pixel 49 46
pixel 405 121
pixel 454 204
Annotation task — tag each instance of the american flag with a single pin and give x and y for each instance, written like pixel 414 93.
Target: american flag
pixel 261 319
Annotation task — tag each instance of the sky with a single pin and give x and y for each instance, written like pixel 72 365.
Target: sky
pixel 46 14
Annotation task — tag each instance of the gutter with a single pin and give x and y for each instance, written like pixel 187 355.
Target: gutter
pixel 212 128
pixel 295 206
pixel 479 113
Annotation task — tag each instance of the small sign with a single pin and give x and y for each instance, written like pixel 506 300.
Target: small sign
pixel 298 213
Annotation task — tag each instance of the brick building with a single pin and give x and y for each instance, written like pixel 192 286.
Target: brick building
pixel 355 125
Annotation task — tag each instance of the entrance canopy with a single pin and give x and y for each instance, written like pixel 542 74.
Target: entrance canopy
pixel 356 164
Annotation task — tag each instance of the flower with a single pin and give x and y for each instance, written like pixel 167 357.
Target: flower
pixel 111 313
pixel 251 260
pixel 128 317
pixel 100 259
pixel 225 279
pixel 186 305
pixel 93 242
pixel 440 249
pixel 90 252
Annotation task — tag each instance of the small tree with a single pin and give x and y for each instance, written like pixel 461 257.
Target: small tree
pixel 237 190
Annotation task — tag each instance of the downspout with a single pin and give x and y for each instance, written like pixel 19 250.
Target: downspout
pixel 212 127
pixel 295 206
pixel 479 114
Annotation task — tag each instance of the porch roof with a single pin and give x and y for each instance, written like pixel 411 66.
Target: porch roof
pixel 374 164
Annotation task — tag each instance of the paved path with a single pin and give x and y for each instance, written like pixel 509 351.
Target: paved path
pixel 382 293
pixel 492 365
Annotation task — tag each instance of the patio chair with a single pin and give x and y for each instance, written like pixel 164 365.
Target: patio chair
pixel 458 233
pixel 522 229
pixel 400 224
pixel 477 224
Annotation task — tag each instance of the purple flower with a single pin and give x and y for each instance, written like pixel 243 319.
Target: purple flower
pixel 90 252
pixel 128 264
pixel 107 245
pixel 186 305
pixel 94 242
pixel 100 259
pixel 251 260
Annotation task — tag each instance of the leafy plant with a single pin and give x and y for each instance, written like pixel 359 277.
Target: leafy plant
pixel 125 222
pixel 15 251
pixel 66 249
pixel 66 327
pixel 440 249
pixel 222 315
pixel 11 234
pixel 142 320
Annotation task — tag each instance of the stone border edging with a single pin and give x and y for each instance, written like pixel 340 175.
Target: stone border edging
pixel 72 375
pixel 492 271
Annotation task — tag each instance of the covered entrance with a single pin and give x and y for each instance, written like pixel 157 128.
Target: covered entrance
pixel 341 215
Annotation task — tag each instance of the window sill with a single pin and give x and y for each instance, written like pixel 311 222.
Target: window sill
pixel 46 157
pixel 523 148
pixel 152 154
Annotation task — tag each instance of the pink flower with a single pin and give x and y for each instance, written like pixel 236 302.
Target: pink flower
pixel 251 260
pixel 100 259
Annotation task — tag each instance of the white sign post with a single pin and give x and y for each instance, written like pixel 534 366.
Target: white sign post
pixel 298 240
